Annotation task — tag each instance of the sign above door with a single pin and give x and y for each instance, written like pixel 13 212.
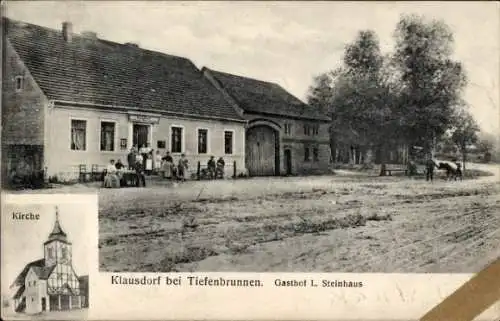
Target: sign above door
pixel 144 119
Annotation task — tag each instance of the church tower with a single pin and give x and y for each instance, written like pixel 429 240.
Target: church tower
pixel 57 249
pixel 63 280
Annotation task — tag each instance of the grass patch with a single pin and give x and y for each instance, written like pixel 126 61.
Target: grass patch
pixel 186 255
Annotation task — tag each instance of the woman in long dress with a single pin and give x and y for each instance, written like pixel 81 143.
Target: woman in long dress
pixel 168 165
pixel 111 180
pixel 157 162
pixel 149 163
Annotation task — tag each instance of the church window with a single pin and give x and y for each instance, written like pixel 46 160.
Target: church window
pixel 64 253
pixel 50 252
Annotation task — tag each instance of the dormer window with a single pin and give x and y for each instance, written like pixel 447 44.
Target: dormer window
pixel 19 82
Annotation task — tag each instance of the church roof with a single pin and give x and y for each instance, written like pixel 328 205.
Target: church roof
pixel 43 273
pixel 57 233
pixel 19 292
pixel 19 281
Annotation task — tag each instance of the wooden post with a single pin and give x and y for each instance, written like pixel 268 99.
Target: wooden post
pixel 198 170
pixel 234 169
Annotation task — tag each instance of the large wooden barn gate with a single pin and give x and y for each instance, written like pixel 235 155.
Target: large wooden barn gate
pixel 262 151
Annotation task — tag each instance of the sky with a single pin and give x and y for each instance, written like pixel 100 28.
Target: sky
pixel 284 42
pixel 22 240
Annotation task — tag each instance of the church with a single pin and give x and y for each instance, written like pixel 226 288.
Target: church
pixel 51 284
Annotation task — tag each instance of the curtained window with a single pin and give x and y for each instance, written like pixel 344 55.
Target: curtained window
pixel 107 136
pixel 78 134
pixel 307 155
pixel 202 141
pixel 228 142
pixel 176 140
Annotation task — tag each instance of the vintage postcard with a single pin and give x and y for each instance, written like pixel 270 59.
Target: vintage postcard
pixel 249 160
pixel 46 256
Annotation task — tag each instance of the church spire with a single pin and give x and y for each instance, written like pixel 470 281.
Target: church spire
pixel 57 232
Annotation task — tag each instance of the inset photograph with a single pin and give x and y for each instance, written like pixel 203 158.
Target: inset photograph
pixel 44 262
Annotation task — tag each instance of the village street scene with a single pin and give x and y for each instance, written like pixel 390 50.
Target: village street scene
pixel 283 137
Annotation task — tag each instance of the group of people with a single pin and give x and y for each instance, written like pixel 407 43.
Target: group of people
pixel 215 169
pixel 146 161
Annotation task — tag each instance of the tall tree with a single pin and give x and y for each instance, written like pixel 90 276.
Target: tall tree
pixel 359 95
pixel 464 132
pixel 432 81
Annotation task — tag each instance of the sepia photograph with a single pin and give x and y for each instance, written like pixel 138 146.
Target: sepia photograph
pixel 260 136
pixel 45 262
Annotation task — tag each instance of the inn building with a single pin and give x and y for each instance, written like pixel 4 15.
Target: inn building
pixel 74 101
pixel 51 284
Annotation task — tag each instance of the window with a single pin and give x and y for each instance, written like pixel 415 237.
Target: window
pixel 288 128
pixel 176 140
pixel 107 136
pixel 202 141
pixel 228 142
pixel 315 154
pixel 50 253
pixel 315 129
pixel 78 134
pixel 307 156
pixel 34 283
pixel 307 130
pixel 64 253
pixel 19 83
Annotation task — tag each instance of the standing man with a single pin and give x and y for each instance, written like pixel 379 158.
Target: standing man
pixel 182 167
pixel 131 159
pixel 429 169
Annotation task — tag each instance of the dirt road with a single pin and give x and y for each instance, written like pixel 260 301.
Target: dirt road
pixel 342 223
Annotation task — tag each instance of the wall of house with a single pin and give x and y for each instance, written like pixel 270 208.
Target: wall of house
pixel 64 162
pixel 296 141
pixel 32 293
pixel 22 113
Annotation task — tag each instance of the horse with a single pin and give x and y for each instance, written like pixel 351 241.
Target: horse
pixel 453 170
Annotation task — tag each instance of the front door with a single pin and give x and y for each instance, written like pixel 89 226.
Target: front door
pixel 44 304
pixel 140 135
pixel 288 161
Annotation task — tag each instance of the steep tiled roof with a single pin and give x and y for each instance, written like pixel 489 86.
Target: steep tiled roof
pixel 19 281
pixel 96 71
pixel 57 232
pixel 43 273
pixel 258 96
pixel 19 292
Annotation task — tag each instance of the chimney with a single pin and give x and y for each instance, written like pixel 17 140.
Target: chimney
pixel 67 31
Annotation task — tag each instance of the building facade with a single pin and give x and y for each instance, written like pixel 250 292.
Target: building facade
pixel 51 284
pixel 284 136
pixel 74 100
